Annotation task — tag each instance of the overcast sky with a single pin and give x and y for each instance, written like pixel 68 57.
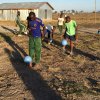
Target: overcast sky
pixel 86 5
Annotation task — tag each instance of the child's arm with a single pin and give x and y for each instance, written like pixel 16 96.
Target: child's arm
pixel 76 34
pixel 63 35
pixel 76 29
pixel 43 33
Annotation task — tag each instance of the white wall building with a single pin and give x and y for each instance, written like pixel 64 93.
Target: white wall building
pixel 8 11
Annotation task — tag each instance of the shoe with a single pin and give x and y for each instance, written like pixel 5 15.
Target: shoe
pixel 19 35
pixel 25 33
pixel 71 53
pixel 49 43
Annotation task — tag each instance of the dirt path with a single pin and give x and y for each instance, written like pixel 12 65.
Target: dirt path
pixel 61 77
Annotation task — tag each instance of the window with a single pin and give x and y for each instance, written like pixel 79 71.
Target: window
pixel 45 13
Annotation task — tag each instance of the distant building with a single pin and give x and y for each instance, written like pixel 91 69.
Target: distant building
pixel 8 11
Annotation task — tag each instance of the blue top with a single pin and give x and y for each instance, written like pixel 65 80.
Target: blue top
pixel 35 26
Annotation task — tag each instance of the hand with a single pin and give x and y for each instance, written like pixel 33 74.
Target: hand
pixel 29 29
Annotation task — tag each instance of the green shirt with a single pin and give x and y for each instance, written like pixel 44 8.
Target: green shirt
pixel 71 27
pixel 18 22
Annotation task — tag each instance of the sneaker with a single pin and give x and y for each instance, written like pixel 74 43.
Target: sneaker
pixel 49 43
pixel 71 53
pixel 25 33
pixel 19 35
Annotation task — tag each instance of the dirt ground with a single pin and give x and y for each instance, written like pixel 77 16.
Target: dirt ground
pixel 61 76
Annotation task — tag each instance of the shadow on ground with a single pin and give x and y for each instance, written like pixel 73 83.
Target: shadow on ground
pixel 77 51
pixel 31 78
pixel 14 31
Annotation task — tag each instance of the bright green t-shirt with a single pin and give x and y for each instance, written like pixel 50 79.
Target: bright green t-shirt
pixel 71 27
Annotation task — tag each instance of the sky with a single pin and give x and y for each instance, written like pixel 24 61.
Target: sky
pixel 85 5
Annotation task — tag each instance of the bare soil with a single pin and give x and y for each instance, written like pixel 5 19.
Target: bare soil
pixel 61 77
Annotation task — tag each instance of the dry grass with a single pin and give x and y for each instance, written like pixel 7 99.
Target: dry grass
pixel 61 77
pixel 85 19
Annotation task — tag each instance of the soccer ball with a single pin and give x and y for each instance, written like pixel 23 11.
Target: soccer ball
pixel 64 42
pixel 27 59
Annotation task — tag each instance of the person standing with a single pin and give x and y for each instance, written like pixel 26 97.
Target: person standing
pixel 60 23
pixel 70 32
pixel 35 44
pixel 22 27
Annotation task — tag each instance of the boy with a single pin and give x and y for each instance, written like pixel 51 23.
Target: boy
pixel 70 32
pixel 35 39
pixel 22 27
pixel 50 31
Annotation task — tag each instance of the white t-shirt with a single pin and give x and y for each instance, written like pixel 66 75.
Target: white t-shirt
pixel 60 21
pixel 49 27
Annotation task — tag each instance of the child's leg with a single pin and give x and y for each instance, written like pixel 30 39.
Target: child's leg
pixel 60 29
pixel 72 40
pixel 21 29
pixel 52 35
pixel 49 36
pixel 31 49
pixel 64 48
pixel 76 38
pixel 37 50
pixel 71 45
pixel 25 28
pixel 67 39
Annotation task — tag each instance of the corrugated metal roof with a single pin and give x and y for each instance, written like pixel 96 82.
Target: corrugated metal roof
pixel 23 5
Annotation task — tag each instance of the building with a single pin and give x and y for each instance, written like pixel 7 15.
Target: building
pixel 8 11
